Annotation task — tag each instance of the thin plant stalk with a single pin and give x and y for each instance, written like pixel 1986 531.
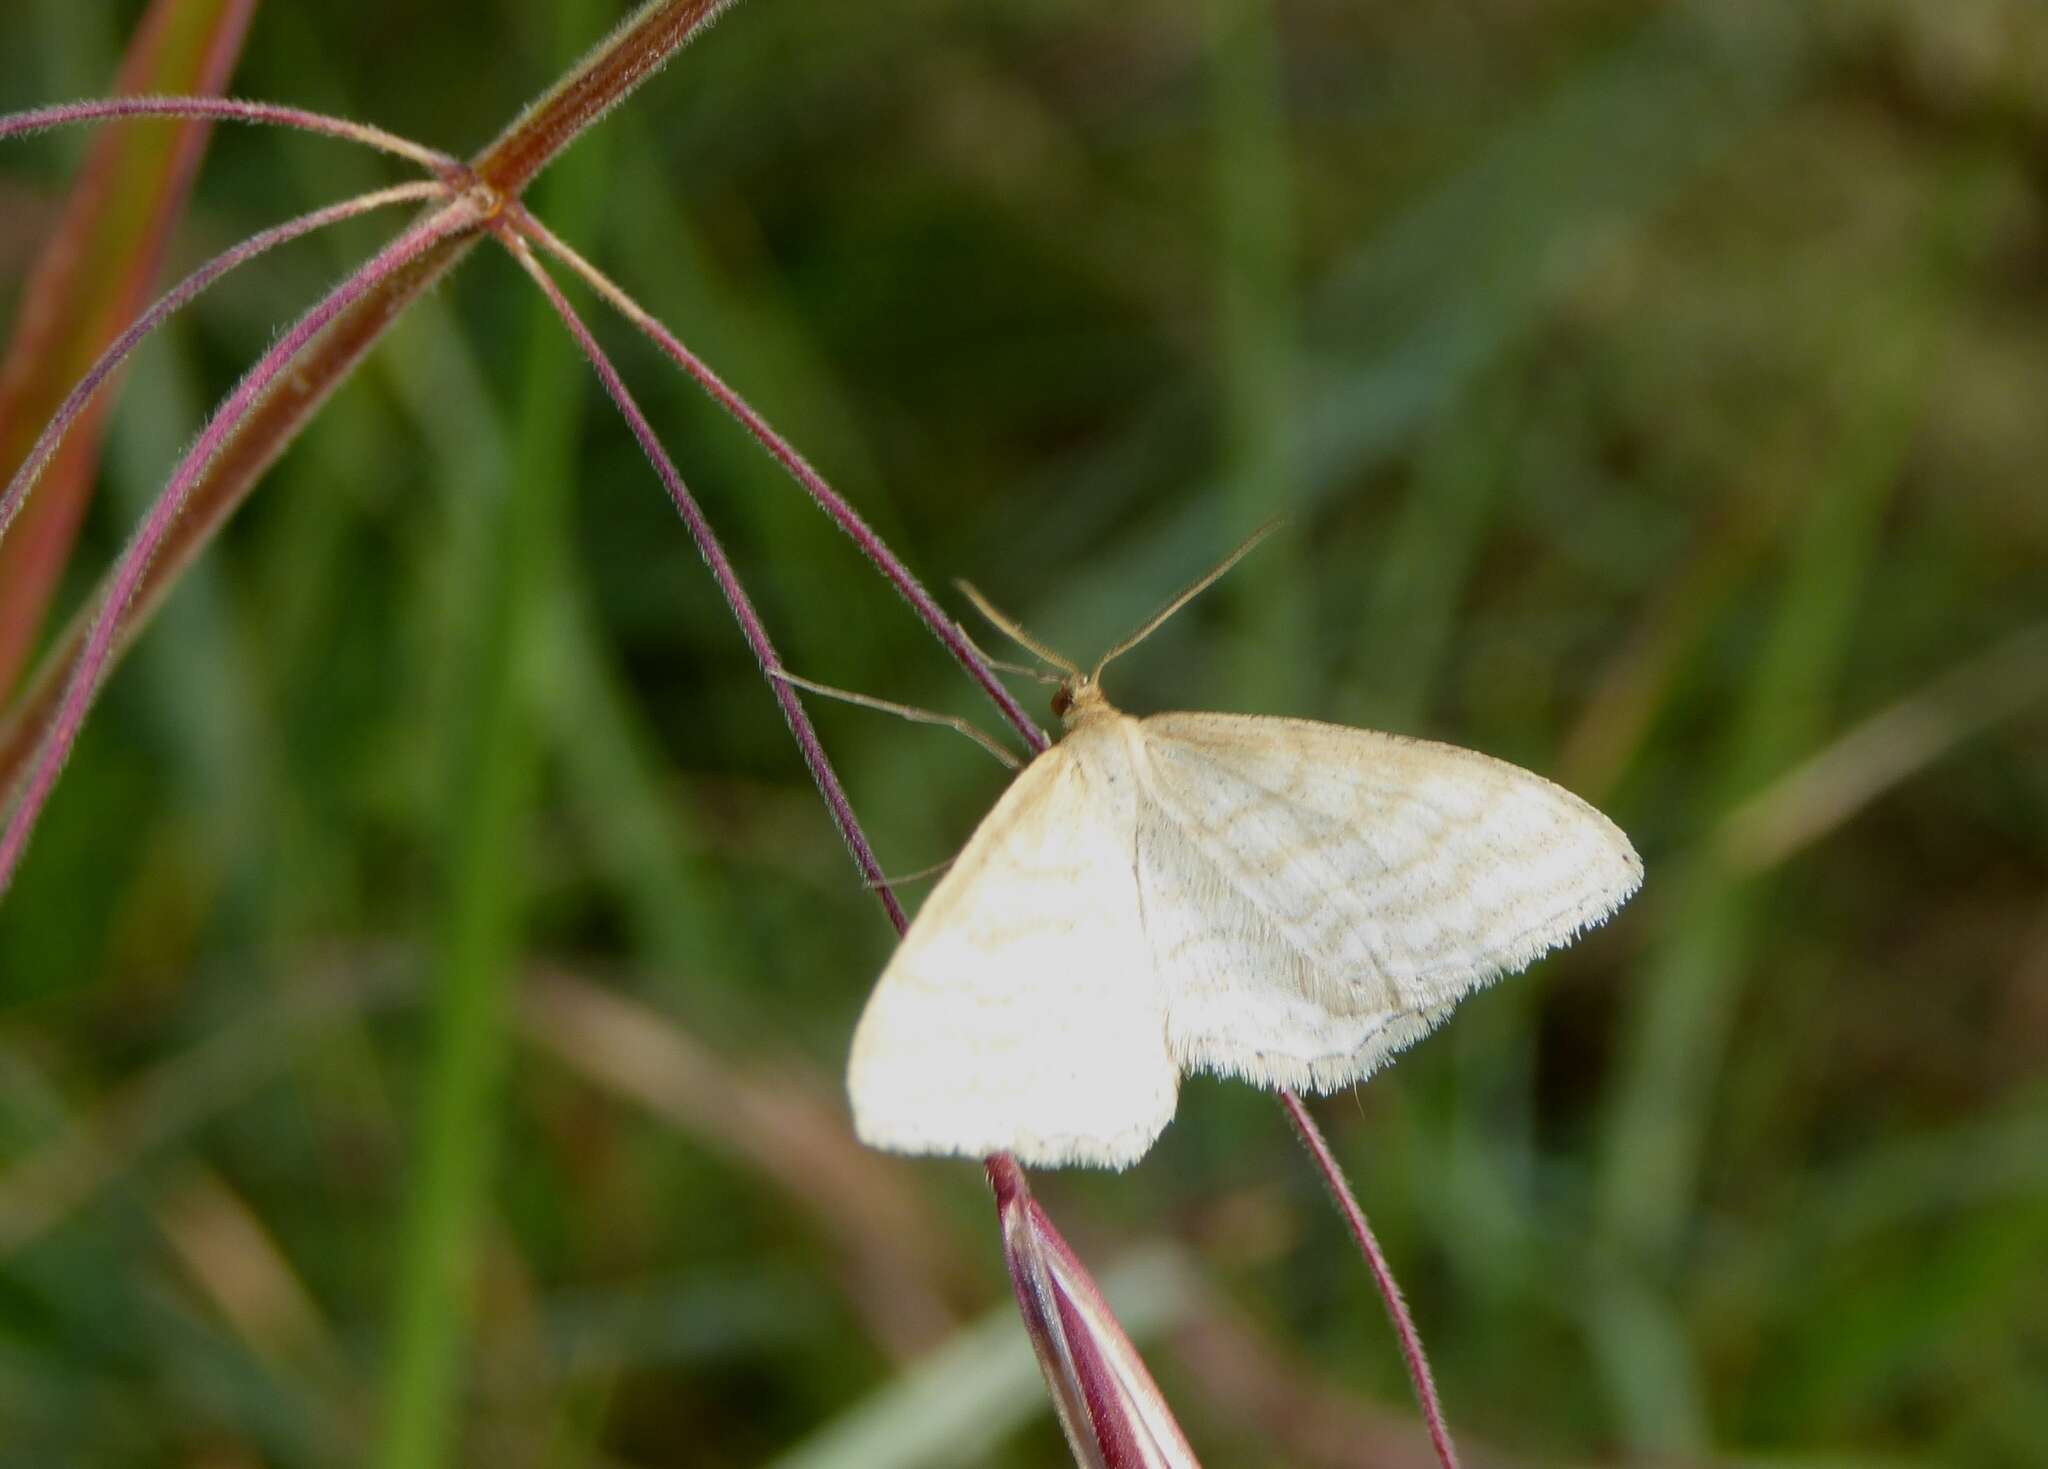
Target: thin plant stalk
pixel 84 681
pixel 1382 1275
pixel 751 627
pixel 173 300
pixel 636 49
pixel 607 74
pixel 249 450
pixel 800 469
pixel 97 268
pixel 227 109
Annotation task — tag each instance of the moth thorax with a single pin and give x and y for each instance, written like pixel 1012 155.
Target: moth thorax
pixel 1077 696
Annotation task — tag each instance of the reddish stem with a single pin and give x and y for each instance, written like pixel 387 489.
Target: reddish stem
pixel 751 626
pixel 800 469
pixel 228 109
pixel 129 571
pixel 635 51
pixel 1382 1275
pixel 272 422
pixel 52 436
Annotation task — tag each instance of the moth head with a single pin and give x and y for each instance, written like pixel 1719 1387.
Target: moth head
pixel 1077 695
pixel 1080 694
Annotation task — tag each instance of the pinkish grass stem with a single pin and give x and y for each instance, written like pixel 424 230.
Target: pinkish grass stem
pixel 229 109
pixel 751 627
pixel 84 682
pixel 46 444
pixel 618 64
pixel 638 47
pixel 1382 1275
pixel 784 453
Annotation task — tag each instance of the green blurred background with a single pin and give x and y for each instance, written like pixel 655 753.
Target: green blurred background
pixel 1658 395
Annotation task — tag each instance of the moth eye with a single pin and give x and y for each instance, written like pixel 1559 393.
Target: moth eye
pixel 1062 701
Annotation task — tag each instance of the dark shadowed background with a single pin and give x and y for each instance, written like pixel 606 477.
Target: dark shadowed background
pixel 1657 393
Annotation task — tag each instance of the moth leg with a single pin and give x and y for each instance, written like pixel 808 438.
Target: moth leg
pixel 920 875
pixel 904 711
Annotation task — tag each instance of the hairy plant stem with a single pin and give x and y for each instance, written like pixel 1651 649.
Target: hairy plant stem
pixel 97 653
pixel 227 109
pixel 635 51
pixel 784 453
pixel 751 627
pixel 1382 1277
pixel 47 442
pixel 94 270
pixel 264 434
pixel 618 64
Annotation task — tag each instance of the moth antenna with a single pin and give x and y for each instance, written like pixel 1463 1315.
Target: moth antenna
pixel 1004 665
pixel 1015 633
pixel 1187 594
pixel 905 711
pixel 918 876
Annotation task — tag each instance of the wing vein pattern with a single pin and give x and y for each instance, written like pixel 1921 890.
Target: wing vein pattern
pixel 1275 899
pixel 1022 1013
pixel 1322 896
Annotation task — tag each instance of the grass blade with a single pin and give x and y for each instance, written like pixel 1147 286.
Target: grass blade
pixel 93 276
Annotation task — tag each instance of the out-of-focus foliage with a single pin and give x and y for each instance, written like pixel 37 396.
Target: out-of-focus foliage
pixel 1657 391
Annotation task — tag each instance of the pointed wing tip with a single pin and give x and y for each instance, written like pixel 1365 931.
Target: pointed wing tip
pixel 1604 897
pixel 1613 872
pixel 1625 882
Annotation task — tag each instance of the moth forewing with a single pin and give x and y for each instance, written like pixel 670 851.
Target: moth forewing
pixel 1022 1012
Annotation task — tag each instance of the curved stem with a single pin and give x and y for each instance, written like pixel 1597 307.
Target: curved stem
pixel 784 453
pixel 226 481
pixel 84 681
pixel 1382 1276
pixel 228 109
pixel 46 444
pixel 628 56
pixel 751 626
